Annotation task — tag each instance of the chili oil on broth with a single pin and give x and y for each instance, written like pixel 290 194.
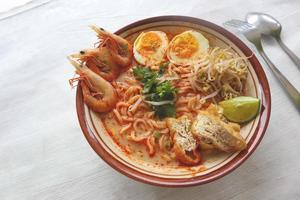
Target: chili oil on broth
pixel 135 154
pixel 136 151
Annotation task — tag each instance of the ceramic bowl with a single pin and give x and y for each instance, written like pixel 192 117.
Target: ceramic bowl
pixel 215 167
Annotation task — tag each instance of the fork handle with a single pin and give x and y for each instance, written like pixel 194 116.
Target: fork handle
pixel 289 88
pixel 289 52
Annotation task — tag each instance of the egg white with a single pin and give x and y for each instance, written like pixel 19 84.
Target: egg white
pixel 203 46
pixel 153 58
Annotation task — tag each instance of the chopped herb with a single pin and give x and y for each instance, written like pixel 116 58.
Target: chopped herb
pixel 202 77
pixel 164 64
pixel 149 86
pixel 166 91
pixel 190 127
pixel 161 71
pixel 167 110
pixel 143 74
pixel 162 68
pixel 157 135
pixel 168 144
pixel 155 91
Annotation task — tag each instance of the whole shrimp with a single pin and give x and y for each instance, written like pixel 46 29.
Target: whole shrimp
pixel 110 58
pixel 98 93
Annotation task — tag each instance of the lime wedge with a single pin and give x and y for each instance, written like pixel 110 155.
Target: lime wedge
pixel 240 109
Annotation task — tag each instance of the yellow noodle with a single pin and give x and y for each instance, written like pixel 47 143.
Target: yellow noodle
pixel 124 129
pixel 127 119
pixel 118 116
pixel 137 119
pixel 150 144
pixel 139 124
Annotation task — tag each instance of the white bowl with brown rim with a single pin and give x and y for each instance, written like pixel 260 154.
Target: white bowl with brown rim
pixel 144 169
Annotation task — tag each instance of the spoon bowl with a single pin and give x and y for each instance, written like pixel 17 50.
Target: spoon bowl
pixel 267 24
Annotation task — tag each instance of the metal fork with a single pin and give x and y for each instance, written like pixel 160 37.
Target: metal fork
pixel 251 33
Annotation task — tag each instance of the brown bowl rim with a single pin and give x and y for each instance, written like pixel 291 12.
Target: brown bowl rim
pixel 224 170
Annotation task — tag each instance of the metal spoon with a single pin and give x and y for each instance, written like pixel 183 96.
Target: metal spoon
pixel 268 25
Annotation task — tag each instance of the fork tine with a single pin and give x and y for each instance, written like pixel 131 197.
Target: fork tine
pixel 248 25
pixel 239 24
pixel 232 23
pixel 236 22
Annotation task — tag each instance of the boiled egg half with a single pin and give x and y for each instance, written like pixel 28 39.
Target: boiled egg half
pixel 187 48
pixel 150 47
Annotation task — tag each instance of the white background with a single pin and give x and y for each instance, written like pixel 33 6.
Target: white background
pixel 43 153
pixel 7 5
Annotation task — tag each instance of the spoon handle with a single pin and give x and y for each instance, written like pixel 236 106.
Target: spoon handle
pixel 289 88
pixel 289 52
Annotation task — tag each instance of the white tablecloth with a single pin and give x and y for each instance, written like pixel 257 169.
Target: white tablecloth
pixel 43 153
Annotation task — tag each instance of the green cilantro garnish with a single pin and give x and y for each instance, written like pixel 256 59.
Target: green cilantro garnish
pixel 156 91
pixel 167 110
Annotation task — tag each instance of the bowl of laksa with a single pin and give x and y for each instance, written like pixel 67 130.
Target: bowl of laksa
pixel 171 101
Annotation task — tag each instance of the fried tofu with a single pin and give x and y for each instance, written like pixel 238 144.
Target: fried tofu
pixel 185 145
pixel 212 132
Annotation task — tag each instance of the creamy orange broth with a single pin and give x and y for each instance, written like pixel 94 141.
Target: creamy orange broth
pixel 138 151
pixel 134 150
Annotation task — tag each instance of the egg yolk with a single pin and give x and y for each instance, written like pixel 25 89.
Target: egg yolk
pixel 185 46
pixel 148 44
